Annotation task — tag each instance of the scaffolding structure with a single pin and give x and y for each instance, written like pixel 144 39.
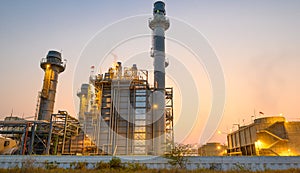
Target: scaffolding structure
pixel 123 121
pixel 60 135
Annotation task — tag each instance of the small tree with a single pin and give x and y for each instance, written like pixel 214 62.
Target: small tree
pixel 115 163
pixel 177 155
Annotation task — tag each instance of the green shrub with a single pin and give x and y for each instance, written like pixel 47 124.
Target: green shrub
pixel 136 166
pixel 78 165
pixel 102 165
pixel 115 163
pixel 51 165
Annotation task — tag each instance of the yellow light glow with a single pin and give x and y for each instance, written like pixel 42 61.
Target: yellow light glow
pixel 258 144
pixel 287 152
pixel 155 106
pixel 219 132
pixel 48 65
pixel 218 147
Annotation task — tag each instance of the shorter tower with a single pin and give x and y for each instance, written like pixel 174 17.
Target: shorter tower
pixel 83 95
pixel 52 65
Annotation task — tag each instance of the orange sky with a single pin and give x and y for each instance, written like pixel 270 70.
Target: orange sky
pixel 257 45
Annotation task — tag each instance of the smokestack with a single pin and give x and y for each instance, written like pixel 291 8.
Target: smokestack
pixel 83 96
pixel 52 65
pixel 159 24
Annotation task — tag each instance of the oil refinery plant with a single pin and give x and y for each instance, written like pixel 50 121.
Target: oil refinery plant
pixel 119 113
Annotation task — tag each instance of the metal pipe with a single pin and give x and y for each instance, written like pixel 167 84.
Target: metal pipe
pixel 49 137
pixel 32 138
pixel 64 135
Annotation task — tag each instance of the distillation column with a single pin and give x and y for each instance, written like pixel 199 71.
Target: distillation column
pixel 52 65
pixel 159 24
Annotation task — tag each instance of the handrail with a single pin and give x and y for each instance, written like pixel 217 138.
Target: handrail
pixel 61 63
pixel 266 131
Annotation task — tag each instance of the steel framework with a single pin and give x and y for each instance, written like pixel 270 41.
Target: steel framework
pixel 62 135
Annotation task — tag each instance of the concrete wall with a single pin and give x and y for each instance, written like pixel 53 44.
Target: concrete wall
pixel 217 163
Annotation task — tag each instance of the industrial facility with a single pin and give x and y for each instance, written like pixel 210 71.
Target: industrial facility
pixel 48 133
pixel 119 110
pixel 266 136
pixel 119 114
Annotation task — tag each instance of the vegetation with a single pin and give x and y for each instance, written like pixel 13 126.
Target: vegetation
pixel 176 157
pixel 115 163
pixel 124 170
pixel 116 166
pixel 51 165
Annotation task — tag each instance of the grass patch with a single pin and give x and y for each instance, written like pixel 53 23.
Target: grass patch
pixel 126 170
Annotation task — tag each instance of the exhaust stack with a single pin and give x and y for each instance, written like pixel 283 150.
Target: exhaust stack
pixel 159 24
pixel 52 65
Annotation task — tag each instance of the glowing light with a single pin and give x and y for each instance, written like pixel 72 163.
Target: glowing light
pixel 287 152
pixel 155 106
pixel 222 132
pixel 48 65
pixel 258 144
pixel 219 147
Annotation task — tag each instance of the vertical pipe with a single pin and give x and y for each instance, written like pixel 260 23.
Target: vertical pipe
pixel 49 137
pixel 24 139
pixel 22 143
pixel 64 136
pixel 32 138
pixel 55 144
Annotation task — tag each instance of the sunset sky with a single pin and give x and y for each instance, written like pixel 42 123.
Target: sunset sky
pixel 256 42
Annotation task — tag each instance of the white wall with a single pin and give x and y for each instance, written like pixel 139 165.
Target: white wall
pixel 218 163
